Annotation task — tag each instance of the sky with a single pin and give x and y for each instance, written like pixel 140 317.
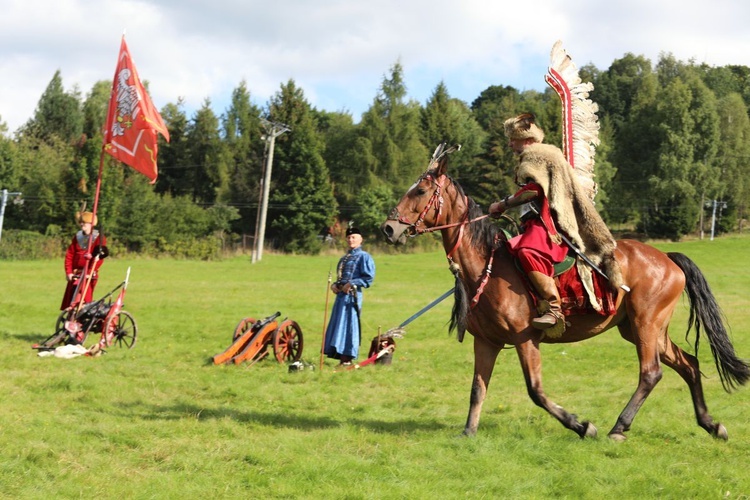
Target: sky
pixel 339 51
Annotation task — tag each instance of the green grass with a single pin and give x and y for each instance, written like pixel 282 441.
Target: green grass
pixel 160 421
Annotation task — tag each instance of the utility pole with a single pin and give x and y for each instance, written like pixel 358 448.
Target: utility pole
pixel 273 130
pixel 3 202
pixel 721 205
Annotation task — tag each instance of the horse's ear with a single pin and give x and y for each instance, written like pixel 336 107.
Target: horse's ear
pixel 440 157
pixel 442 166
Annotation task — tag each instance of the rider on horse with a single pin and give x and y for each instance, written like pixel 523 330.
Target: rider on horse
pixel 559 205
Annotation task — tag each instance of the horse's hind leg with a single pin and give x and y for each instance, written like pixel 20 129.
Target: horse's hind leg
pixel 688 368
pixel 485 356
pixel 531 363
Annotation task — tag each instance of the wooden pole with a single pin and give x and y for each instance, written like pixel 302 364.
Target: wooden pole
pixel 325 320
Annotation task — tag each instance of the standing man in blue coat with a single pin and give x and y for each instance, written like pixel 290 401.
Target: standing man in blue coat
pixel 355 272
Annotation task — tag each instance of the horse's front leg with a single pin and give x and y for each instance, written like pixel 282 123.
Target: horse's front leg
pixel 531 363
pixel 485 355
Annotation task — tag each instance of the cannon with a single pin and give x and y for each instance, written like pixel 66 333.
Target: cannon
pixel 252 338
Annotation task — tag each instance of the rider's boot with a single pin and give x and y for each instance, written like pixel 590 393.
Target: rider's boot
pixel 549 306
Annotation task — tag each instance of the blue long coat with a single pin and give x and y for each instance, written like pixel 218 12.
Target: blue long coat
pixel 343 335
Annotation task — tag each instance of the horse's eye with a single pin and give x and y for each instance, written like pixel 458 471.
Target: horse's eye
pixel 421 191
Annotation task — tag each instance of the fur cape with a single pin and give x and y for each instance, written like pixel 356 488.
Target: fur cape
pixel 573 211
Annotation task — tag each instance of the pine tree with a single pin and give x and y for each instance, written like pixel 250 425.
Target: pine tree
pixel 390 136
pixel 302 201
pixel 242 135
pixel 208 156
pixel 340 136
pixel 448 119
pixel 58 114
pixel 176 171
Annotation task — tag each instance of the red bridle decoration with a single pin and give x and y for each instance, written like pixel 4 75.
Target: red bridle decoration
pixel 437 199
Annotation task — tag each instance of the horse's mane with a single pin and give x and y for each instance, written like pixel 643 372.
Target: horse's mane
pixel 482 236
pixel 482 233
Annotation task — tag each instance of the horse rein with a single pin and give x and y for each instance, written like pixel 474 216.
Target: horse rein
pixel 415 230
pixel 437 200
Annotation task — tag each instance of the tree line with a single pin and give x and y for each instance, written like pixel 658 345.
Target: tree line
pixel 675 144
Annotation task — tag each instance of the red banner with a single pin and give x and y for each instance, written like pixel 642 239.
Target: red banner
pixel 132 120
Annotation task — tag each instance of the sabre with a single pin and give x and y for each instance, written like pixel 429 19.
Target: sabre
pixel 583 257
pixel 421 311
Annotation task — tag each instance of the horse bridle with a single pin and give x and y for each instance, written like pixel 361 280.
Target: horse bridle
pixel 435 201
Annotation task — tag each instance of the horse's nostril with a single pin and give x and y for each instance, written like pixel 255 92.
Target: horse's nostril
pixel 387 230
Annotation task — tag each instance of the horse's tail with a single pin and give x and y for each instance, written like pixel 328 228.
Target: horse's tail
pixel 460 309
pixel 705 311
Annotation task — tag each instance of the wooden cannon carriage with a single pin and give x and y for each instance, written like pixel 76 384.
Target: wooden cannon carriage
pixel 252 338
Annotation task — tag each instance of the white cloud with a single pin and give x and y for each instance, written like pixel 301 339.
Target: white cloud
pixel 338 51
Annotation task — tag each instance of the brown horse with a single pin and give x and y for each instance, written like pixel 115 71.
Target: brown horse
pixel 504 309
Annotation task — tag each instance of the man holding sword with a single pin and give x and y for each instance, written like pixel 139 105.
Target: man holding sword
pixel 563 214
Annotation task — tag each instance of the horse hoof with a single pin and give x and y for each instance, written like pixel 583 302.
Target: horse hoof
pixel 617 436
pixel 590 430
pixel 720 432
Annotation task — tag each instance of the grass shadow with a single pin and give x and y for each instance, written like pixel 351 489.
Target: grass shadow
pixel 25 337
pixel 275 419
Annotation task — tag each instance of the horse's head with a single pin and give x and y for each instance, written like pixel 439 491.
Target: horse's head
pixel 420 208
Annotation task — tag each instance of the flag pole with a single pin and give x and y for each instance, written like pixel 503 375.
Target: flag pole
pixel 90 263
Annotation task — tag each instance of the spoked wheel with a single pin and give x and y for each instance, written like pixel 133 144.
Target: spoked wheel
pixel 244 325
pixel 287 342
pixel 121 330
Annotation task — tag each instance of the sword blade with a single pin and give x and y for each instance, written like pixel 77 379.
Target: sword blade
pixel 427 308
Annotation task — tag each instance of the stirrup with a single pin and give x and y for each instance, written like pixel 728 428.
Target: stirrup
pixel 546 320
pixel 553 331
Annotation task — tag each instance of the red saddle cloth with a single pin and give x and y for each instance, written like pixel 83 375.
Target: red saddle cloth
pixel 574 298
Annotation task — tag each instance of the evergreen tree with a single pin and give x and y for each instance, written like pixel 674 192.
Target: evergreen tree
pixel 340 137
pixel 450 120
pixel 242 135
pixel 302 201
pixel 85 169
pixel 176 171
pixel 58 114
pixel 492 174
pixel 390 130
pixel 208 156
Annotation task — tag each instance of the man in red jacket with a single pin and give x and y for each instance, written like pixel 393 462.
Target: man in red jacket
pixel 561 206
pixel 77 256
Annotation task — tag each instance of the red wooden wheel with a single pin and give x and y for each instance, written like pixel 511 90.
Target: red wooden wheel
pixel 287 342
pixel 244 325
pixel 121 330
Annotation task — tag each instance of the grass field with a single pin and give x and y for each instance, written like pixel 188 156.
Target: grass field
pixel 160 421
